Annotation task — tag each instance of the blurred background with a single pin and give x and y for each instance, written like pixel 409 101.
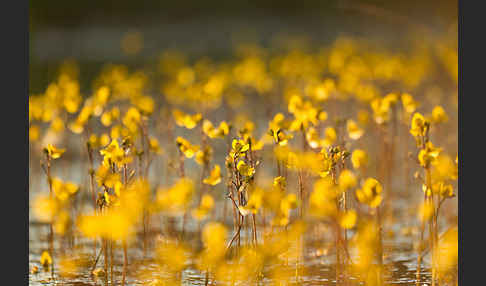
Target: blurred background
pixel 135 32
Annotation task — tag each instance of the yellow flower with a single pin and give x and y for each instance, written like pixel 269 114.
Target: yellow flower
pixel 330 136
pixel 280 137
pixel 303 112
pixel 76 127
pixel 439 115
pixel 105 177
pixel 45 208
pixel 110 199
pixel 172 255
pixel 322 200
pixel 359 158
pixel 145 104
pixel 322 92
pixel 115 113
pixel 444 190
pixel 272 198
pixel 254 202
pixel 104 140
pixel 448 251
pixel 186 148
pixel 347 180
pixel 426 211
pixel 409 104
pixel 84 115
pixel 280 182
pixel 114 154
pixel 53 152
pixel 238 147
pixel 118 188
pixel 132 119
pixel 204 156
pixel 115 224
pixel 118 132
pixel 354 131
pixel 106 118
pixel 370 193
pixel 444 168
pixel 296 160
pixel 207 203
pixel 154 146
pixel 185 76
pixel 427 191
pixel 45 259
pixel 390 99
pixel 381 109
pixel 112 148
pixel 288 203
pixel 62 190
pixel 322 116
pixel 175 199
pixel 258 144
pixel 278 122
pixel 185 120
pixel 363 117
pixel 214 241
pixel 61 222
pixel 102 95
pixel 57 125
pixel 34 133
pixel 93 141
pixel 244 169
pixel 247 127
pixel 215 176
pixel 120 220
pixel 419 125
pixel 429 154
pixel 222 130
pixel 313 138
pixel 325 163
pixel 348 219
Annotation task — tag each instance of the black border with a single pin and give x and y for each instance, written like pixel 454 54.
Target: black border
pixel 14 210
pixel 471 62
pixel 471 144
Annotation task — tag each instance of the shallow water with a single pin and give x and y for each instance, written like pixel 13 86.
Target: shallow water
pixel 319 269
pixel 400 258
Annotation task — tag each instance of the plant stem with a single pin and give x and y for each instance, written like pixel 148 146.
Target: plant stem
pixel 51 232
pixel 125 261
